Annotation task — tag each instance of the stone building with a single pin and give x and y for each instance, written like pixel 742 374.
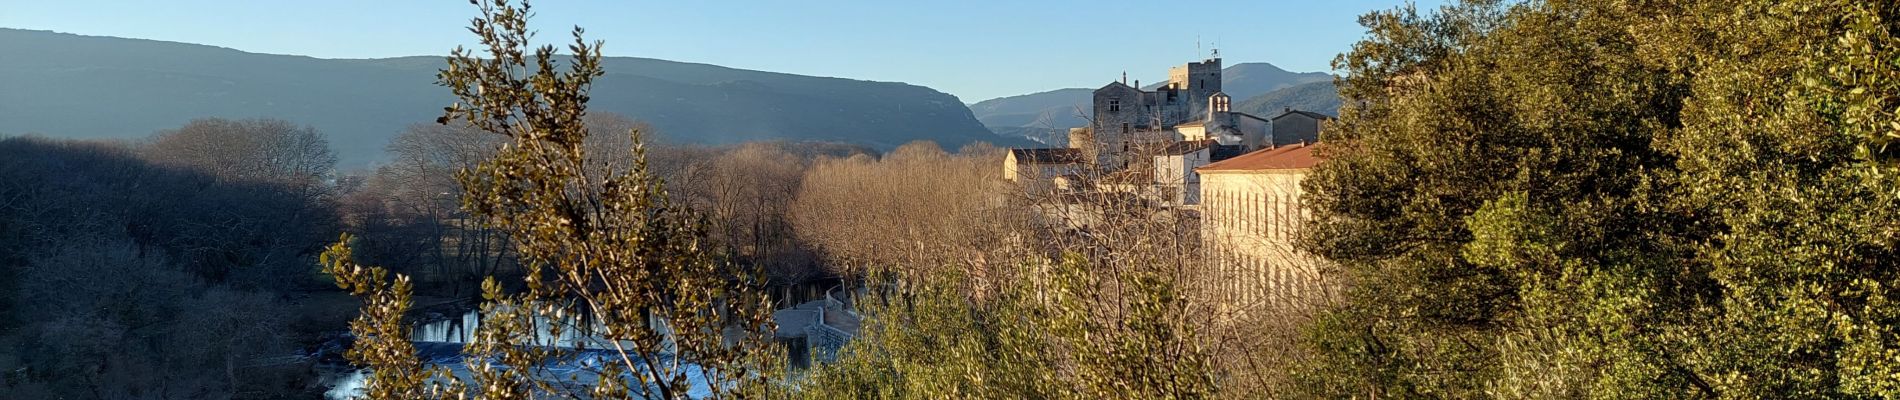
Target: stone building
pixel 1037 170
pixel 1175 181
pixel 1295 126
pixel 1250 212
pixel 1128 120
pixel 1164 134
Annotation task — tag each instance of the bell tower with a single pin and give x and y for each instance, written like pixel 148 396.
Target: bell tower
pixel 1218 103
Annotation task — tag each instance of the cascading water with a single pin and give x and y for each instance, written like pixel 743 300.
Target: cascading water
pixel 449 330
pixel 462 330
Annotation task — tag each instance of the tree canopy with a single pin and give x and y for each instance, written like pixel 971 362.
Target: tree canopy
pixel 1614 199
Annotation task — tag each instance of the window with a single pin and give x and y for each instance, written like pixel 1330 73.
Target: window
pixel 1124 127
pixel 1114 106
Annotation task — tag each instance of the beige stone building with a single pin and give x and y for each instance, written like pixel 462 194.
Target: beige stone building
pixel 1037 171
pixel 1250 213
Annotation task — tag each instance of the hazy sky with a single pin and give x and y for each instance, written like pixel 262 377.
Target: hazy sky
pixel 974 49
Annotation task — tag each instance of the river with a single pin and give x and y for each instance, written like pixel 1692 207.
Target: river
pixel 439 343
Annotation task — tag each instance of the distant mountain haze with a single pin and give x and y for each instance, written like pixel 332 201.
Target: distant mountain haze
pixel 74 86
pixel 1045 115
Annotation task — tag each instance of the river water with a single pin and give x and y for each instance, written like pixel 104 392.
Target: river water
pixel 439 343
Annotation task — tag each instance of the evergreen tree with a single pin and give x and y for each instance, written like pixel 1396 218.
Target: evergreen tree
pixel 1614 199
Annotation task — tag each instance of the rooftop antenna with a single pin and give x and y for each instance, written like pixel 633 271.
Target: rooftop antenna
pixel 1197 46
pixel 1216 52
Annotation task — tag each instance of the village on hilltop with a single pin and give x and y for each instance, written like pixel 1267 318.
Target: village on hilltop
pixel 1181 149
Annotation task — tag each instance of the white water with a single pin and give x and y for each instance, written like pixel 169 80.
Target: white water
pixel 463 331
pixel 449 330
pixel 348 385
pixel 345 386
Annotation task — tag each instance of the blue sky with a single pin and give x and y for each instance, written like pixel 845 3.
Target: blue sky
pixel 974 49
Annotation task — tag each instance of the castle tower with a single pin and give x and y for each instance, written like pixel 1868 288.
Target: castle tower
pixel 1200 81
pixel 1126 119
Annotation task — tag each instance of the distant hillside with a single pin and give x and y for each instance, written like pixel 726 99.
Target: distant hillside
pixel 1247 80
pixel 1055 108
pixel 74 86
pixel 1040 116
pixel 1321 97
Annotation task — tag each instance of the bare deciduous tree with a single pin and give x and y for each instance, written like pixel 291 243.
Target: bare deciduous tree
pixel 917 207
pixel 257 150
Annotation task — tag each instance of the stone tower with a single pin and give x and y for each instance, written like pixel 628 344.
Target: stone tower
pixel 1199 80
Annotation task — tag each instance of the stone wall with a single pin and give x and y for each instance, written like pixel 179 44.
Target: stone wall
pixel 1249 223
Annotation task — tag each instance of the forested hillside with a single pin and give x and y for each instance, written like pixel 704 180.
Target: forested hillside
pixel 1321 97
pixel 74 86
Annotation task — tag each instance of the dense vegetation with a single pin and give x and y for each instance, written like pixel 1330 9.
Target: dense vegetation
pixel 161 269
pixel 1548 199
pixel 1614 199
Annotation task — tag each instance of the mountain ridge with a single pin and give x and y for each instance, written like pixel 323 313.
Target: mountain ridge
pixel 148 85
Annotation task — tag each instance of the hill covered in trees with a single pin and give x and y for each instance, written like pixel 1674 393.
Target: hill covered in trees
pixel 1321 97
pixel 75 86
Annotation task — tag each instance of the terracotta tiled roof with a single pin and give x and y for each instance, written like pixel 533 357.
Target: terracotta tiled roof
pixel 1297 156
